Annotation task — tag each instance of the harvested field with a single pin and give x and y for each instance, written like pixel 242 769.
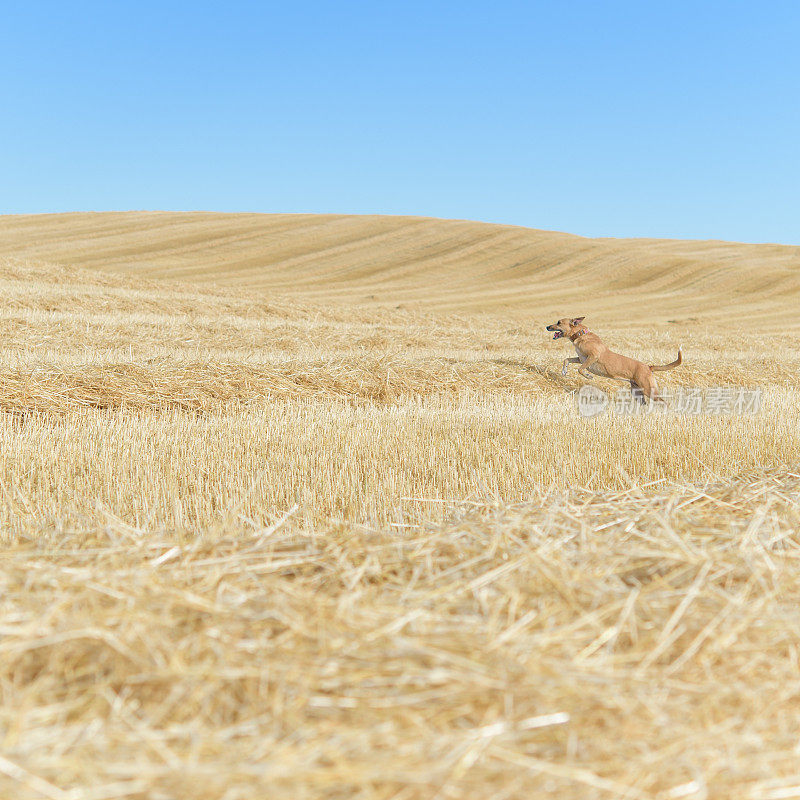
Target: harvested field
pixel 265 539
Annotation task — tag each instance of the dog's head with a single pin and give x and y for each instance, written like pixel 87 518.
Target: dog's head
pixel 565 327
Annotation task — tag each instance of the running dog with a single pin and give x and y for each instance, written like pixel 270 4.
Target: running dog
pixel 594 357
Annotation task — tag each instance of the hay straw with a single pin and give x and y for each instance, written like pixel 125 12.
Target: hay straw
pixel 509 652
pixel 260 548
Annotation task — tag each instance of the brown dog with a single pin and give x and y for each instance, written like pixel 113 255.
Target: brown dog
pixel 595 357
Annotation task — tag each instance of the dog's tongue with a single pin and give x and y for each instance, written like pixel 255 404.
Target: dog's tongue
pixel 557 335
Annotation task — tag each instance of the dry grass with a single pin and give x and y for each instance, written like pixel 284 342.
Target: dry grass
pixel 256 545
pixel 404 463
pixel 634 644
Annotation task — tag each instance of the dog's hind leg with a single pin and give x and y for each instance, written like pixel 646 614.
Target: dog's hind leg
pixel 651 392
pixel 637 392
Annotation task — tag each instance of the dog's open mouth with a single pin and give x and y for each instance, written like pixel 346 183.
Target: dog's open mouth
pixel 558 334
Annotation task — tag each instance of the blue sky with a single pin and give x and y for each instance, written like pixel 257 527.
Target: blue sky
pixel 674 119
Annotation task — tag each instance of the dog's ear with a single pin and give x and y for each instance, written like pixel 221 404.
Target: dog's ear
pixel 578 320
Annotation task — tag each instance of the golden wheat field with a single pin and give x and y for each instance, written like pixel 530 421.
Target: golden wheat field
pixel 301 506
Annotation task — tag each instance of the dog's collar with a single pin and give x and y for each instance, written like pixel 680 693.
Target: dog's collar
pixel 581 332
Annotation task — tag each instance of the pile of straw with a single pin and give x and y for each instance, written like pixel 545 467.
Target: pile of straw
pixel 636 644
pixel 204 385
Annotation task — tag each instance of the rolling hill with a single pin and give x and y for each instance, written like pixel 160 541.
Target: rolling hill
pixel 448 265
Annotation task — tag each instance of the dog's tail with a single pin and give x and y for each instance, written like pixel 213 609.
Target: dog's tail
pixel 663 367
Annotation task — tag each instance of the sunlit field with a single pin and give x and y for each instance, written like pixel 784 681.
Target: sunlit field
pixel 291 541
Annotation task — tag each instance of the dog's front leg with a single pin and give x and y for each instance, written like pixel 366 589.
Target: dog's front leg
pixel 567 361
pixel 584 368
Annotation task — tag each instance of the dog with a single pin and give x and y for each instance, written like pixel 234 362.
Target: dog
pixel 594 357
